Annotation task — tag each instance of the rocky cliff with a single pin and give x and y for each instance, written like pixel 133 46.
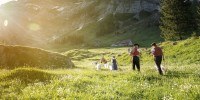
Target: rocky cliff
pixel 34 22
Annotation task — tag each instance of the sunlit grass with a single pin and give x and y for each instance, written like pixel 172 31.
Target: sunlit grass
pixel 181 80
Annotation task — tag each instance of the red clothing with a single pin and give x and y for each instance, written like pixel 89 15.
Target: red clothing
pixel 135 52
pixel 157 51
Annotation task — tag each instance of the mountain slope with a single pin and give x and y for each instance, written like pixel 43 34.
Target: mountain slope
pixel 34 22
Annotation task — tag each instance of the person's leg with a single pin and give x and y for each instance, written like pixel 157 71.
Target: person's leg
pixel 133 63
pixel 138 63
pixel 158 61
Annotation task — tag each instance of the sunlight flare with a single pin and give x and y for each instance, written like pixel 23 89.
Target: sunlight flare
pixel 34 27
pixel 6 1
pixel 5 23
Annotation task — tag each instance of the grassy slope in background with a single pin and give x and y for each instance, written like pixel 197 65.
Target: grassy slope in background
pixel 180 82
pixel 182 52
pixel 15 56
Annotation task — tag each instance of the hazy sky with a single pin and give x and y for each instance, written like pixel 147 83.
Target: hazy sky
pixel 5 1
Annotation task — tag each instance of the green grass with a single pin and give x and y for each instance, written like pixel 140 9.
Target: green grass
pixel 15 56
pixel 185 52
pixel 134 32
pixel 12 83
pixel 26 75
pixel 180 82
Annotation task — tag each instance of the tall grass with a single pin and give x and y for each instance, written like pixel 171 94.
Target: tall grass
pixel 12 83
pixel 15 56
pixel 180 82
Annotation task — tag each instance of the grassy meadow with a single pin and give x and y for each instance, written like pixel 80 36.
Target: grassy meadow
pixel 180 82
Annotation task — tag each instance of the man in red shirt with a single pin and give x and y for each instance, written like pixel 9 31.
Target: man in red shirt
pixel 136 60
pixel 158 56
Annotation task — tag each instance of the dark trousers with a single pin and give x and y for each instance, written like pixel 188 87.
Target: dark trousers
pixel 136 62
pixel 114 66
pixel 158 61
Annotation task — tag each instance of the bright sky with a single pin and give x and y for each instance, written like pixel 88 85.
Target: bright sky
pixel 6 1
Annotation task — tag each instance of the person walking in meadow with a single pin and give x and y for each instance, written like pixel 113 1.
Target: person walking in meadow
pixel 135 53
pixel 114 63
pixel 158 56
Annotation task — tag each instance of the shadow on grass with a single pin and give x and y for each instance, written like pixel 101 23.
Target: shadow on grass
pixel 83 68
pixel 172 74
pixel 153 78
pixel 178 74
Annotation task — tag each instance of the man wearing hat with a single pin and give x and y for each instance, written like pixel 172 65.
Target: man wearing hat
pixel 158 56
pixel 136 60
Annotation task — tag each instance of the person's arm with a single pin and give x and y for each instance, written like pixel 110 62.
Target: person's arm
pixel 152 51
pixel 129 50
pixel 131 53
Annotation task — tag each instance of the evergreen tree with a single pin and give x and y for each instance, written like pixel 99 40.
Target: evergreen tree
pixel 177 19
pixel 198 17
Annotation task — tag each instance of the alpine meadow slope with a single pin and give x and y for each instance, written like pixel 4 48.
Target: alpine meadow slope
pixel 75 34
pixel 181 79
pixel 49 22
pixel 15 56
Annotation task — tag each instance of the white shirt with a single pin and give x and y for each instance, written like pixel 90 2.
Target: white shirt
pixel 131 49
pixel 153 50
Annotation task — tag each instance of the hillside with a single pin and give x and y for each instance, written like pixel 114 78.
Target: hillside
pixel 181 79
pixel 51 50
pixel 41 23
pixel 15 56
pixel 173 51
pixel 184 52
